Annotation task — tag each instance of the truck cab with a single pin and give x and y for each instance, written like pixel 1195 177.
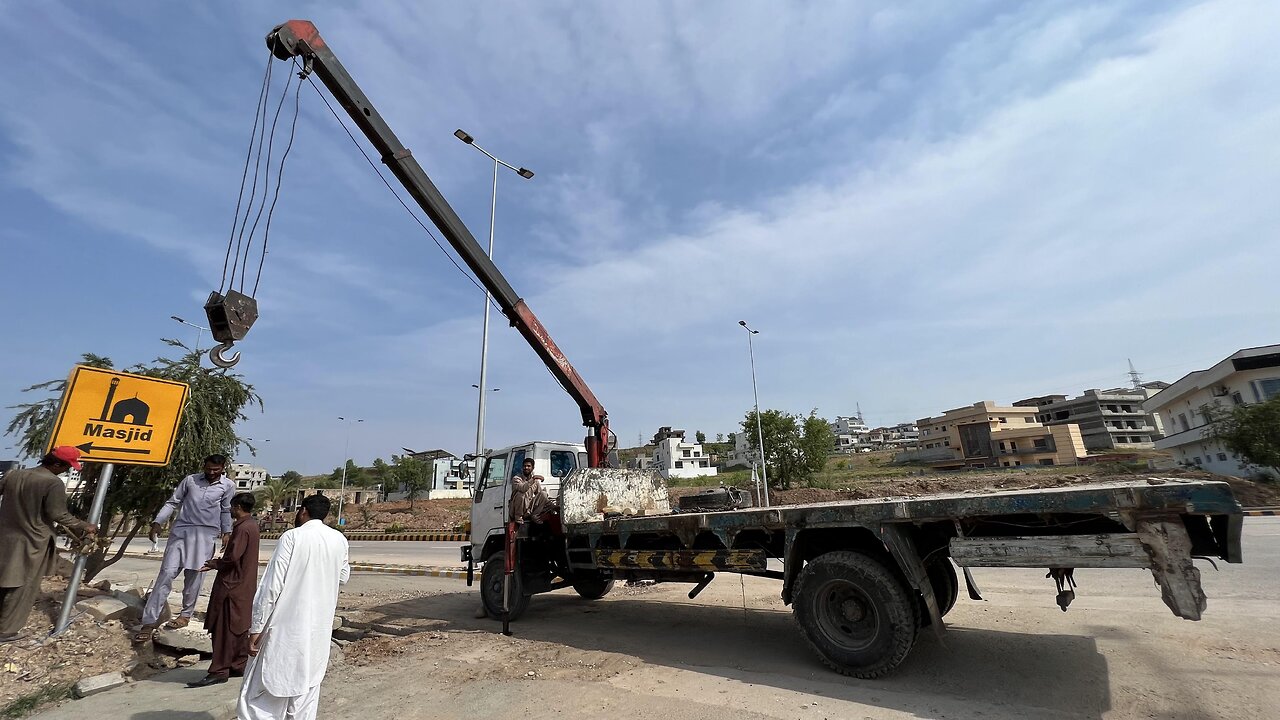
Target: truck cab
pixel 552 460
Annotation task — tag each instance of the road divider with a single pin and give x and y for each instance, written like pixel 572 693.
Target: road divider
pixel 1262 512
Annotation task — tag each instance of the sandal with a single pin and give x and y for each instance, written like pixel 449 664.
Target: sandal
pixel 143 635
pixel 178 623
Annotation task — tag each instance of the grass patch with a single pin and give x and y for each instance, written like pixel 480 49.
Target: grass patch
pixel 25 705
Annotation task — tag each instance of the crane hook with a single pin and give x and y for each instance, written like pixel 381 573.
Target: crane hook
pixel 215 356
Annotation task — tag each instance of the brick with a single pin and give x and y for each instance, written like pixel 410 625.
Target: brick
pixel 103 608
pixel 98 683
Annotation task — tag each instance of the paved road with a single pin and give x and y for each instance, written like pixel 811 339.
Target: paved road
pixel 733 653
pixel 433 554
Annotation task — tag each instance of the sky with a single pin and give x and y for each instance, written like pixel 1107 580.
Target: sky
pixel 918 205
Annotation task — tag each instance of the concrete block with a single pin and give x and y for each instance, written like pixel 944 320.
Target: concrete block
pixel 389 629
pixel 337 622
pixel 185 640
pixel 98 683
pixel 132 599
pixel 350 621
pixel 349 634
pixel 103 608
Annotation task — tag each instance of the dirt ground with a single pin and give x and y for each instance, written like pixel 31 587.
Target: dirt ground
pixel 446 514
pixel 87 648
pixel 734 653
pixel 1248 492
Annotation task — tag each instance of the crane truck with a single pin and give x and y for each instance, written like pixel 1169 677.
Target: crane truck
pixel 863 577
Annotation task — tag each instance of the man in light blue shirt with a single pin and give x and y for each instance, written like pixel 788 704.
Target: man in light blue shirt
pixel 203 504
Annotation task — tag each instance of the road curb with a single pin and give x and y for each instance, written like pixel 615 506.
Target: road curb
pixel 394 537
pixel 1261 512
pixel 419 571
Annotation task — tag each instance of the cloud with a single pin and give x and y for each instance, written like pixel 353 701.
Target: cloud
pixel 919 205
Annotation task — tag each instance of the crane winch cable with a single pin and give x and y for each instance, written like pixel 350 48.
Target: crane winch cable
pixel 230 309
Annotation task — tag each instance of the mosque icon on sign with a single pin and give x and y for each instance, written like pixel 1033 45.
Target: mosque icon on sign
pixel 130 411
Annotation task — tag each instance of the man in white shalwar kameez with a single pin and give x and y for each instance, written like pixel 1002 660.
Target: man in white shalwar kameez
pixel 293 619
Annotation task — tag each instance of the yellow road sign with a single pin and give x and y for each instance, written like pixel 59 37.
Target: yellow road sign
pixel 119 417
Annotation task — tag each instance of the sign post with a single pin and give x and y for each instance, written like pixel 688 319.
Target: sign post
pixel 77 572
pixel 114 418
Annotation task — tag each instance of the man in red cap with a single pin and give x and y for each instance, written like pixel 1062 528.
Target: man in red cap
pixel 31 501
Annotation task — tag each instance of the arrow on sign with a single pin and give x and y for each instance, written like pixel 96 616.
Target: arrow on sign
pixel 88 447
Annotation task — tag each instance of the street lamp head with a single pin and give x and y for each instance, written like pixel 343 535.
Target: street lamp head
pixel 525 173
pixel 743 323
pixel 463 136
pixel 175 317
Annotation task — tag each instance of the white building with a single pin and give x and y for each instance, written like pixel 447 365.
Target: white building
pixel 247 477
pixel 1248 376
pixel 674 457
pixel 742 454
pixel 450 477
pixel 850 433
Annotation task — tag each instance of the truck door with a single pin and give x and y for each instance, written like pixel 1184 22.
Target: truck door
pixel 562 463
pixel 488 512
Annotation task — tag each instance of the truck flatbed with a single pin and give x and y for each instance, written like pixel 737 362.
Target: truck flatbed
pixel 863 576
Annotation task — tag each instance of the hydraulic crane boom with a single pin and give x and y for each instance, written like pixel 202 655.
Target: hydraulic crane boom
pixel 299 38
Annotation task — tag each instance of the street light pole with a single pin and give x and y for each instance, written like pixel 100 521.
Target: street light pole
pixel 484 340
pixel 764 466
pixel 198 328
pixel 346 449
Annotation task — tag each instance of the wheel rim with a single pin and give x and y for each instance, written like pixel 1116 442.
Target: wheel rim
pixel 846 615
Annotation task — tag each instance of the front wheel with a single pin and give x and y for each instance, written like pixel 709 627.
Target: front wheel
pixel 492 577
pixel 855 613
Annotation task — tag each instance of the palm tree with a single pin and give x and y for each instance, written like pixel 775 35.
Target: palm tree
pixel 273 494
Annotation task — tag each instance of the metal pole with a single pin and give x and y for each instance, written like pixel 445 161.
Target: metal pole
pixel 484 336
pixel 764 465
pixel 342 494
pixel 77 572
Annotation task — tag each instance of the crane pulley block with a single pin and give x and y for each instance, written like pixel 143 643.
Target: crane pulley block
pixel 230 317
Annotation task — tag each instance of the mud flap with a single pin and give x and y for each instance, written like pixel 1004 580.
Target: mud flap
pixel 1169 546
pixel 904 553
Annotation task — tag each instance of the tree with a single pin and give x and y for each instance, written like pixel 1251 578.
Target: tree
pixel 207 426
pixel 699 436
pixel 720 437
pixel 411 474
pixel 795 447
pixel 34 421
pixel 276 491
pixel 381 471
pixel 1250 431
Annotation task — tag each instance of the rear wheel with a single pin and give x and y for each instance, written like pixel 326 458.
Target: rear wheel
pixel 492 577
pixel 855 613
pixel 592 585
pixel 946 585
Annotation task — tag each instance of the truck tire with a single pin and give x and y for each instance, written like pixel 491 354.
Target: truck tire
pixel 491 578
pixel 855 613
pixel 592 585
pixel 946 584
